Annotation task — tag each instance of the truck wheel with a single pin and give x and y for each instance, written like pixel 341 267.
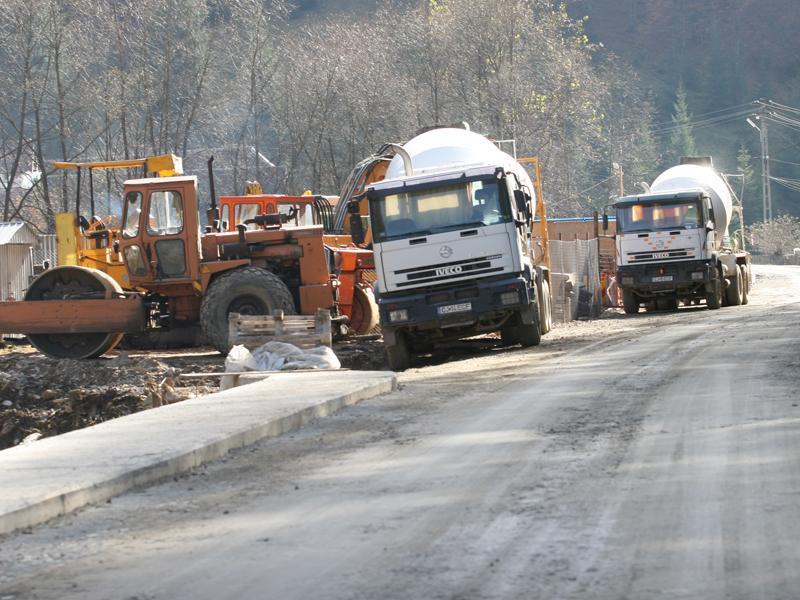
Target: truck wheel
pixel 247 291
pixel 744 272
pixel 508 336
pixel 398 354
pixel 530 334
pixel 714 297
pixel 734 291
pixel 630 302
pixel 545 309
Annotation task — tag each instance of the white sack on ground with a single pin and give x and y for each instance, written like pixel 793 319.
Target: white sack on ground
pixel 239 359
pixel 280 356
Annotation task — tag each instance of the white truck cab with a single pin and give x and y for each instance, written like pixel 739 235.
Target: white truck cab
pixel 451 239
pixel 673 243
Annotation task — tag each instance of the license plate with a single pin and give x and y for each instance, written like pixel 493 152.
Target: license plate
pixel 455 308
pixel 660 254
pixel 662 278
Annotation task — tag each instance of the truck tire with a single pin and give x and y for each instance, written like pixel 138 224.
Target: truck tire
pixel 545 309
pixel 508 336
pixel 734 291
pixel 745 275
pixel 530 334
pixel 714 297
pixel 399 354
pixel 247 291
pixel 630 302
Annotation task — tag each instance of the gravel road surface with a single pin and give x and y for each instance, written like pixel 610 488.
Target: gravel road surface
pixel 655 456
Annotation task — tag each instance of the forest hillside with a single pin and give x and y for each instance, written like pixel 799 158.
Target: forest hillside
pixel 294 95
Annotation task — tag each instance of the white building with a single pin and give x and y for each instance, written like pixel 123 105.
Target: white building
pixel 17 243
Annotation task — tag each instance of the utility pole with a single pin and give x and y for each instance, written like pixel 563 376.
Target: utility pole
pixel 617 169
pixel 766 192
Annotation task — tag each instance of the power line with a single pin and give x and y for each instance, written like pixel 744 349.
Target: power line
pixel 703 122
pixel 773 104
pixel 792 184
pixel 736 107
pixel 785 162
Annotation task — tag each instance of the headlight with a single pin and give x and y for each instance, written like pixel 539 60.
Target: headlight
pixel 398 315
pixel 507 298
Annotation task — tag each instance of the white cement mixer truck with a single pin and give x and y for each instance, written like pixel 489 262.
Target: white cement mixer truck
pixel 451 227
pixel 673 243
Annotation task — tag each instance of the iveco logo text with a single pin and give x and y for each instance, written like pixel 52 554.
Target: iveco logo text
pixel 445 252
pixel 449 270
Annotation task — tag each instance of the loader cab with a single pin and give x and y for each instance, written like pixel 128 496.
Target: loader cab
pixel 160 232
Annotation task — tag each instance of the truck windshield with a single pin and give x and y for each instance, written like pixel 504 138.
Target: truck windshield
pixel 425 211
pixel 653 216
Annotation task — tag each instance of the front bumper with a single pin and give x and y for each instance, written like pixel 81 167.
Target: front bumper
pixel 454 307
pixel 659 278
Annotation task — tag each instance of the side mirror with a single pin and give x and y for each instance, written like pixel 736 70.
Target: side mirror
pixel 521 203
pixel 356 226
pixel 709 226
pixel 605 222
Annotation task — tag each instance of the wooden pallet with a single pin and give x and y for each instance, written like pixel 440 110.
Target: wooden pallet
pixel 304 331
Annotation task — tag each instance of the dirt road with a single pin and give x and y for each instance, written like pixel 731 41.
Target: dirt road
pixel 646 457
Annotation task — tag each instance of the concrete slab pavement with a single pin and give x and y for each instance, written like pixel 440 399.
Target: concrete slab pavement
pixel 57 475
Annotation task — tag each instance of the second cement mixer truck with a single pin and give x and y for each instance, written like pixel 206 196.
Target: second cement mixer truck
pixel 673 243
pixel 451 225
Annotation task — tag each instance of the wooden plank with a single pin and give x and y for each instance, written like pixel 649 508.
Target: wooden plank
pixel 304 331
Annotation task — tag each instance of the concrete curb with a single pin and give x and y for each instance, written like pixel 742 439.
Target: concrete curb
pixel 54 476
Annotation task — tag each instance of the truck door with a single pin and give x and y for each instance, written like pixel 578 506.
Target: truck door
pixel 160 232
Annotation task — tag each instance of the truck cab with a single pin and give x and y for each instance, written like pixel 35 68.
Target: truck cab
pixel 663 242
pixel 673 244
pixel 453 254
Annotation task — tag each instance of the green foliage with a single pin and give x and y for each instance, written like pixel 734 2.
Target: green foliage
pixel 681 141
pixel 744 165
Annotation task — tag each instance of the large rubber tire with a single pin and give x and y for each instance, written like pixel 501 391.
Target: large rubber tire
pixel 70 282
pixel 364 318
pixel 399 354
pixel 630 302
pixel 508 335
pixel 714 298
pixel 745 275
pixel 545 309
pixel 735 290
pixel 247 291
pixel 529 334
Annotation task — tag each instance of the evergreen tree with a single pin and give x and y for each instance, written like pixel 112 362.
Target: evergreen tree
pixel 744 165
pixel 681 142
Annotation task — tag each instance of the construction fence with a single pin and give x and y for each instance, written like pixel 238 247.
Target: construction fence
pixel 575 279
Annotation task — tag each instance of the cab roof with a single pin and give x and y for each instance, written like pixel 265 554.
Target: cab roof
pixel 687 194
pixel 162 180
